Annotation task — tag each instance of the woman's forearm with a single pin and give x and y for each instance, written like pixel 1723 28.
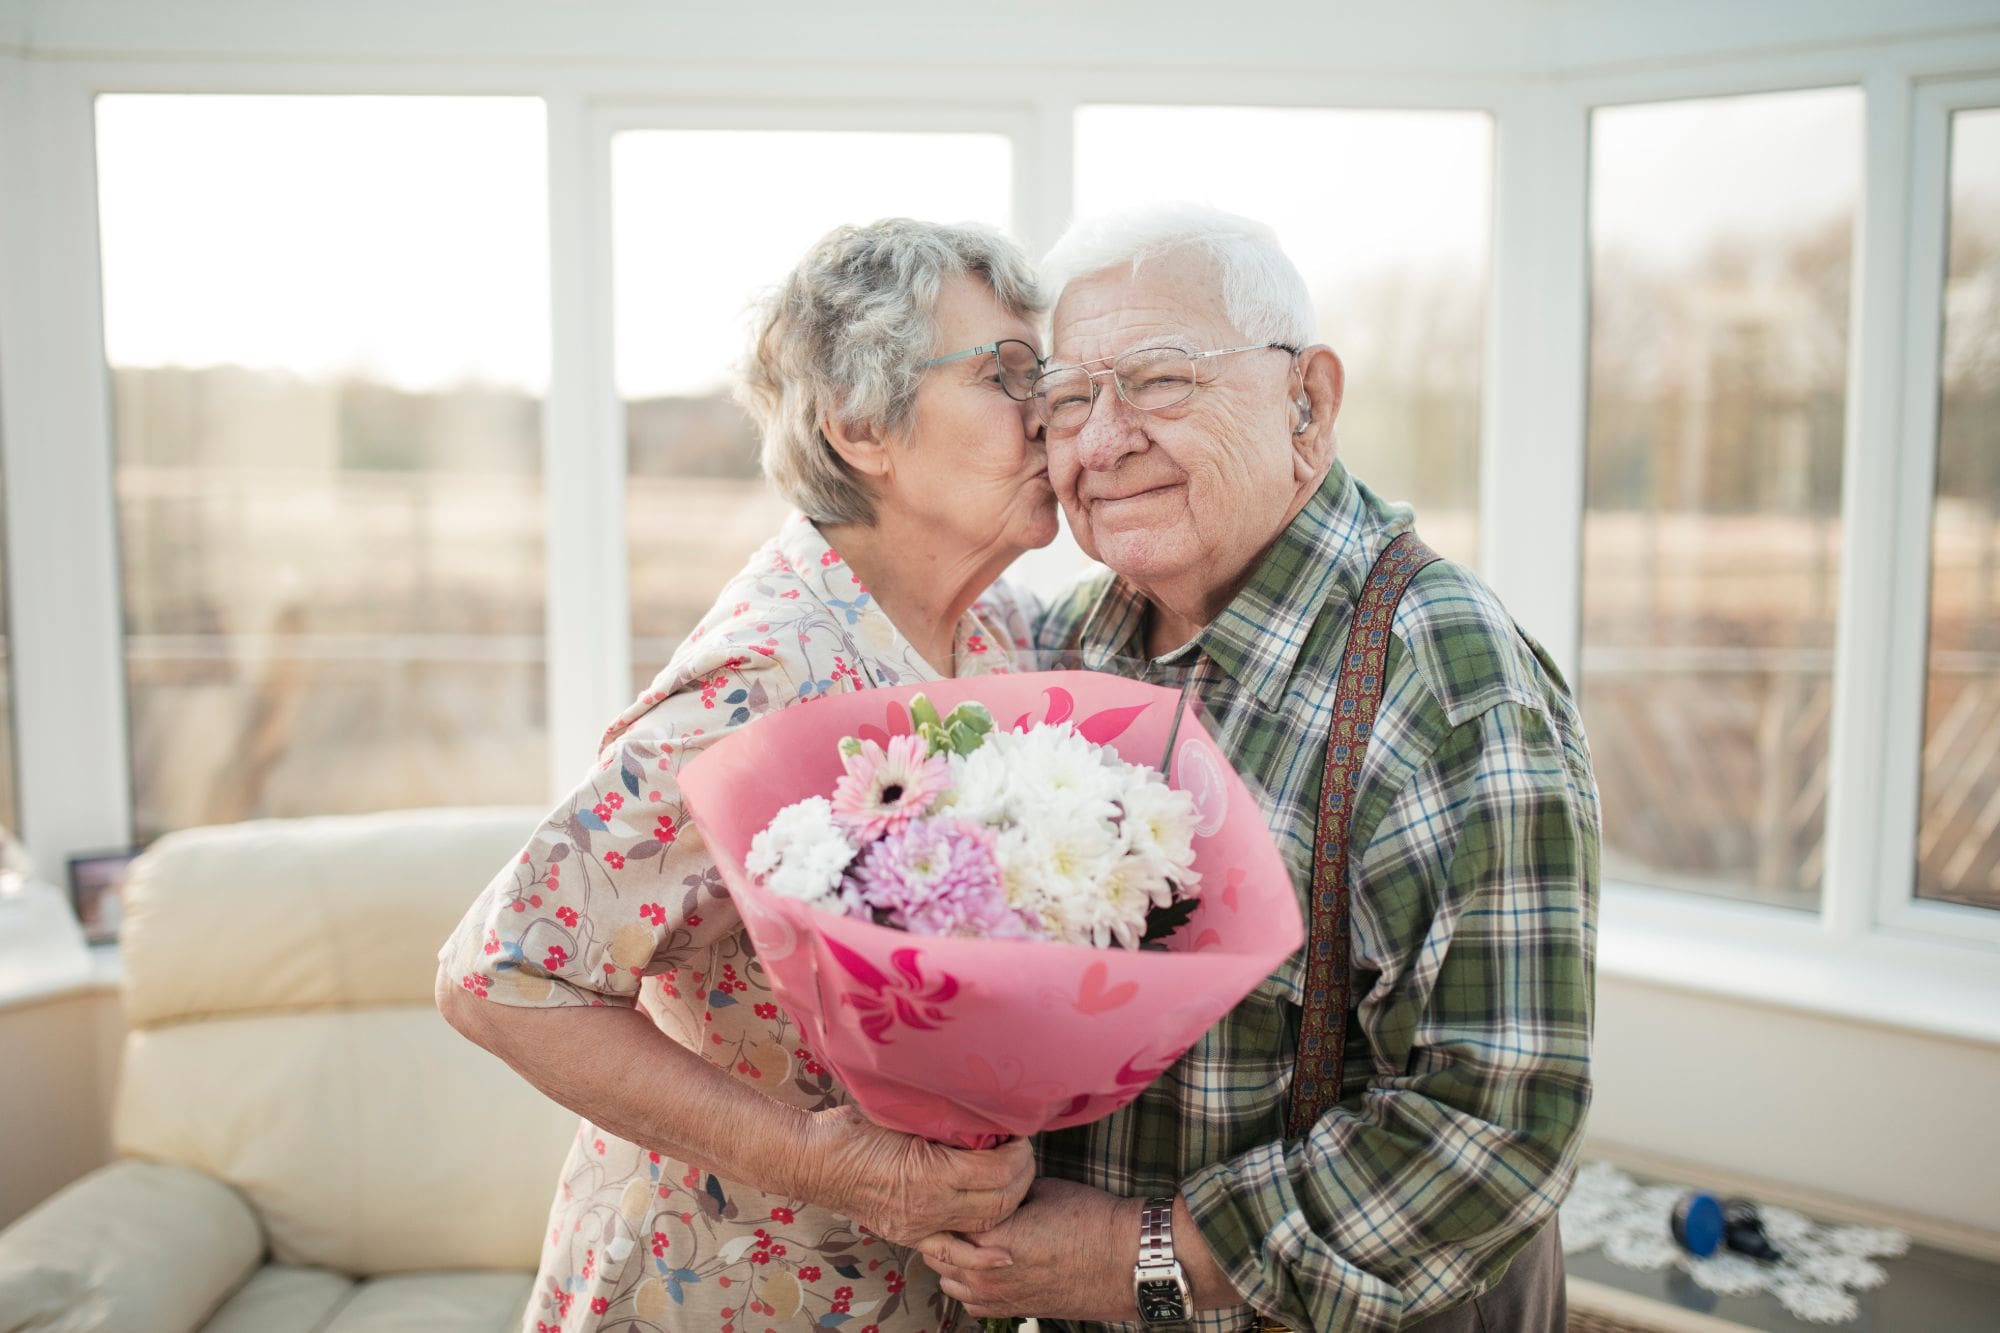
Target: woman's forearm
pixel 614 1068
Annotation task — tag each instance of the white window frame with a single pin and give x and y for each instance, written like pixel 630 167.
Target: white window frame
pixel 1915 495
pixel 600 610
pixel 1869 954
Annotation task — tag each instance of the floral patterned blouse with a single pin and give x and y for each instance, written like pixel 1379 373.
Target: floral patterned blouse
pixel 615 901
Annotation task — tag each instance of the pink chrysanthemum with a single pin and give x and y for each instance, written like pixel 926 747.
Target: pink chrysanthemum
pixel 935 877
pixel 883 790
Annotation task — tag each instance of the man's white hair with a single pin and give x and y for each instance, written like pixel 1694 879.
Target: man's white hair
pixel 1263 293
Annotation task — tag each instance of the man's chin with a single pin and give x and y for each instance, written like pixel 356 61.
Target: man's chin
pixel 1143 557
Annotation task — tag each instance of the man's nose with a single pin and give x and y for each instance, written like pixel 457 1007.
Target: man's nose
pixel 1113 430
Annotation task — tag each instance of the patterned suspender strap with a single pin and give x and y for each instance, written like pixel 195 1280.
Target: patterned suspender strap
pixel 1323 1026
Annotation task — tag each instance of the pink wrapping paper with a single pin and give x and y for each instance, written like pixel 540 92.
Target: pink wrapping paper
pixel 971 1040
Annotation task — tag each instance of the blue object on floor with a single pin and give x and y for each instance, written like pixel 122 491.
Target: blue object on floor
pixel 1697 1224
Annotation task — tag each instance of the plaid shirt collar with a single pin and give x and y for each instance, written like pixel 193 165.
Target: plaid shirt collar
pixel 1324 553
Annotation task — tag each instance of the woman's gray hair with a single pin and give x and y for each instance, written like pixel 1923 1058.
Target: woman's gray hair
pixel 845 338
pixel 1263 293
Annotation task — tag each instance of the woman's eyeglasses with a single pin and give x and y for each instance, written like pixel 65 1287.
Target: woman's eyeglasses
pixel 1017 364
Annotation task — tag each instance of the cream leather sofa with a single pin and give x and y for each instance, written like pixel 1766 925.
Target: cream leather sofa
pixel 303 1143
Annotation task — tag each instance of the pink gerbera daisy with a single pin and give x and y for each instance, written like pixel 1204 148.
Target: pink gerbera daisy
pixel 883 790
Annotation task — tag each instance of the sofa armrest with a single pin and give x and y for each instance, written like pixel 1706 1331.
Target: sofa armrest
pixel 131 1245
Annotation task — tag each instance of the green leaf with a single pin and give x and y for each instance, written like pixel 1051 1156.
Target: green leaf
pixel 923 713
pixel 1164 921
pixel 849 747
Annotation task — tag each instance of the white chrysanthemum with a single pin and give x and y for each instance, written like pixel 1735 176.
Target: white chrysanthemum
pixel 982 787
pixel 1159 828
pixel 1054 769
pixel 803 852
pixel 1116 911
pixel 1052 867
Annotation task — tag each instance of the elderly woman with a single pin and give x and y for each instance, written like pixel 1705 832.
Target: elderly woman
pixel 721 1178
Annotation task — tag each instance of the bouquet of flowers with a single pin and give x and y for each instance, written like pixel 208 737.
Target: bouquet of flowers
pixel 958 829
pixel 987 931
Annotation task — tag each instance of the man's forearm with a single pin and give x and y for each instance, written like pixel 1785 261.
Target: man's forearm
pixel 614 1068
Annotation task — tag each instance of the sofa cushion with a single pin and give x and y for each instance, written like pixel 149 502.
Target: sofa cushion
pixel 436 1303
pixel 303 913
pixel 277 1299
pixel 134 1245
pixel 369 1140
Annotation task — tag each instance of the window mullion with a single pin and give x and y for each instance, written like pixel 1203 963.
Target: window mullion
pixel 71 739
pixel 1537 351
pixel 589 625
pixel 1861 802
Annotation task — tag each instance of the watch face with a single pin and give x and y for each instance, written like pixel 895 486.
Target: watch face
pixel 1161 1302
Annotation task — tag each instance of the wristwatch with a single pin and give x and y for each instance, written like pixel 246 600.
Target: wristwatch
pixel 1158 1281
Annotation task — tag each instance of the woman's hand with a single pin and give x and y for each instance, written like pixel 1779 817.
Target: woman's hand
pixel 904 1188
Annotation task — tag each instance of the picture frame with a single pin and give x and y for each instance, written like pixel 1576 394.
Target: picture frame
pixel 96 886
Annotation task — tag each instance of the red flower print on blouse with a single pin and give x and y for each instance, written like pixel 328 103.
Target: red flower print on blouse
pixel 665 832
pixel 567 915
pixel 599 1304
pixel 783 1216
pixel 615 800
pixel 557 957
pixel 894 1282
pixel 975 643
pixel 616 860
pixel 654 913
pixel 810 1272
pixel 829 558
pixel 476 984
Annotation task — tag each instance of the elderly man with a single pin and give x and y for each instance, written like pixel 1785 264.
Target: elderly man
pixel 1379 1136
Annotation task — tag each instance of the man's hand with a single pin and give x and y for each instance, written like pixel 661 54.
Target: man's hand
pixel 1067 1253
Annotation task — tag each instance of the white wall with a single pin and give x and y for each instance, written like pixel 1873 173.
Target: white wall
pixel 61 1055
pixel 1876 1115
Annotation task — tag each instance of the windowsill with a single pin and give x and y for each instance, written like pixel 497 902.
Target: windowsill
pixel 102 969
pixel 1787 960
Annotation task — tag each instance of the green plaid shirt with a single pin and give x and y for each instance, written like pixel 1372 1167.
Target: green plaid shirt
pixel 1474 884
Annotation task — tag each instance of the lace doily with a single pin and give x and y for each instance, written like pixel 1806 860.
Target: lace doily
pixel 1822 1266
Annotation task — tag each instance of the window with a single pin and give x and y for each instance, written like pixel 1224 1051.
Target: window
pixel 1722 234
pixel 326 322
pixel 1958 840
pixel 1388 216
pixel 685 275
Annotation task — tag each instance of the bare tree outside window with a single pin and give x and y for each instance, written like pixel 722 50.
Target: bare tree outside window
pixel 1722 237
pixel 327 331
pixel 1958 838
pixel 1388 216
pixel 686 273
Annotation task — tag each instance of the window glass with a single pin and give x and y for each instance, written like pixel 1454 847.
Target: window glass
pixel 326 323
pixel 1388 215
pixel 1721 239
pixel 703 222
pixel 1958 842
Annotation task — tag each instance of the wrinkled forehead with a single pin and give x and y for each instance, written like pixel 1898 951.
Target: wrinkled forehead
pixel 1174 298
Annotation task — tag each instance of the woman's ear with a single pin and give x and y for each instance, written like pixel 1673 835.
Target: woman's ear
pixel 1319 382
pixel 860 445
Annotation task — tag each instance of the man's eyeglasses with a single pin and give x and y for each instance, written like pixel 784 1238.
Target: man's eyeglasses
pixel 1016 363
pixel 1149 379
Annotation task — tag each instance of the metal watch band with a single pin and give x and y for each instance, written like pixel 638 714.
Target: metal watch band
pixel 1156 1233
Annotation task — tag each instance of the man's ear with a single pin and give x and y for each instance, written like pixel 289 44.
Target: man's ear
pixel 860 445
pixel 1319 382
